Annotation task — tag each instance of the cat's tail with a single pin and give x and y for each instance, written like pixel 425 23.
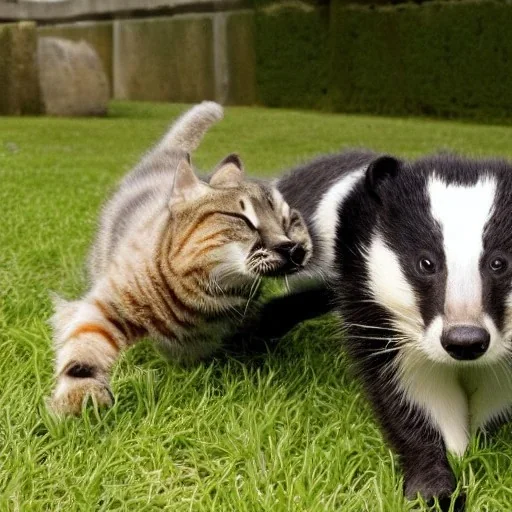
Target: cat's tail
pixel 187 132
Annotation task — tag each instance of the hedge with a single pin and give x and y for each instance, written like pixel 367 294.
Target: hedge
pixel 443 59
pixel 291 47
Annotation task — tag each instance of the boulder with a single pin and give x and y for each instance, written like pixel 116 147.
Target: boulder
pixel 73 81
pixel 19 83
pixel 96 33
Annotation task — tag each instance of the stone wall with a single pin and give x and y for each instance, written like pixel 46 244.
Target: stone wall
pixel 19 80
pixel 164 59
pixel 413 58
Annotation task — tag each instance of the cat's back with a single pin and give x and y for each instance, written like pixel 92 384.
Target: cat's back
pixel 133 209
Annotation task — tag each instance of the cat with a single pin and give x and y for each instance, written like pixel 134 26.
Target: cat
pixel 175 259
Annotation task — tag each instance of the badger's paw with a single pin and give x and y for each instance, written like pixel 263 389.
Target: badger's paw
pixel 438 489
pixel 448 503
pixel 71 394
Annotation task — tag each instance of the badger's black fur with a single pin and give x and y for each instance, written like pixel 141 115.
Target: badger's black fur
pixel 417 259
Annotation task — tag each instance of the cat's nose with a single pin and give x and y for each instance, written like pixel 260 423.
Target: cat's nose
pixel 293 253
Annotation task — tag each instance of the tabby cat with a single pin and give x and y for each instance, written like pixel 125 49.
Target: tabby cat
pixel 176 259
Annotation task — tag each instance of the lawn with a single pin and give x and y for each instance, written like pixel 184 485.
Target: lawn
pixel 290 431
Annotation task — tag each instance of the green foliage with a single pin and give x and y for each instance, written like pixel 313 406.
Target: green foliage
pixel 289 431
pixel 442 59
pixel 291 55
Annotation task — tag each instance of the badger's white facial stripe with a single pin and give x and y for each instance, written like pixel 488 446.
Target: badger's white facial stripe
pixel 390 288
pixel 462 212
pixel 326 216
pixel 431 342
pixel 250 213
pixel 432 387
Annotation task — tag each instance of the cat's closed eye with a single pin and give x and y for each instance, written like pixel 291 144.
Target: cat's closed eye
pixel 242 218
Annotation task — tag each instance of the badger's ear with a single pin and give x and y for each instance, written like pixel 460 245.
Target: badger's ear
pixel 186 186
pixel 379 171
pixel 229 173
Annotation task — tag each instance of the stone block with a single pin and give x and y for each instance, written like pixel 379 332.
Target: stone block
pixel 164 59
pixel 19 81
pixel 97 33
pixel 73 82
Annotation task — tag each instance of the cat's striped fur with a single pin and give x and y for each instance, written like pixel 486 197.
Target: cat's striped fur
pixel 175 259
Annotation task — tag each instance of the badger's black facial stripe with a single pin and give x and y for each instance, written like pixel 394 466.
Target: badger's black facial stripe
pixel 498 244
pixel 81 371
pixel 410 231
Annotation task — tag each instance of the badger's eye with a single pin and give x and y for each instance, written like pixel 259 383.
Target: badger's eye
pixel 498 265
pixel 427 266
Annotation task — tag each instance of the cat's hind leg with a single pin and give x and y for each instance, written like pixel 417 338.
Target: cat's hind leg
pixel 87 343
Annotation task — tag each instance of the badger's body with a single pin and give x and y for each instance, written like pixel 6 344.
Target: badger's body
pixel 418 258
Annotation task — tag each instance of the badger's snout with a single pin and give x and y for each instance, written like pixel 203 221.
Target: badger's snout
pixel 465 342
pixel 292 253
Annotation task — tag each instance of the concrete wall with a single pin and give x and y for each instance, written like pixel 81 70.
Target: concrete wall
pixel 182 58
pixel 240 58
pixel 73 10
pixel 164 59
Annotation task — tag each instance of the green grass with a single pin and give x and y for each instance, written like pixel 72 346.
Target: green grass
pixel 291 432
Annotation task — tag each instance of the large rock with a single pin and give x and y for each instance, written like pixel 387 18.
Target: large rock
pixel 19 83
pixel 73 81
pixel 97 33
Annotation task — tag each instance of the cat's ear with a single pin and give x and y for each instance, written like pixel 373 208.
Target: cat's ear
pixel 186 186
pixel 229 173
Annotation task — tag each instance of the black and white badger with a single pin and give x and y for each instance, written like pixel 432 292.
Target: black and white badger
pixel 418 258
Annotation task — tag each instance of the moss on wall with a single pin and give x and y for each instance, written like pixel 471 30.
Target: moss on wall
pixel 19 78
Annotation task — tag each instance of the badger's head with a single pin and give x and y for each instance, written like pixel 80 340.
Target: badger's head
pixel 439 259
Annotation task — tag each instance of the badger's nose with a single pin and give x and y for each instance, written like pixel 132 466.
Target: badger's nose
pixel 291 252
pixel 465 342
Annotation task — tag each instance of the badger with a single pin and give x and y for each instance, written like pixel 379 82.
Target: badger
pixel 416 257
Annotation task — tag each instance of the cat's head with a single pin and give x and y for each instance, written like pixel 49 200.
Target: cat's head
pixel 237 229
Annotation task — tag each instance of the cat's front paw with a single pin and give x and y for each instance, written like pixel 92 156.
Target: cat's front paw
pixel 71 394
